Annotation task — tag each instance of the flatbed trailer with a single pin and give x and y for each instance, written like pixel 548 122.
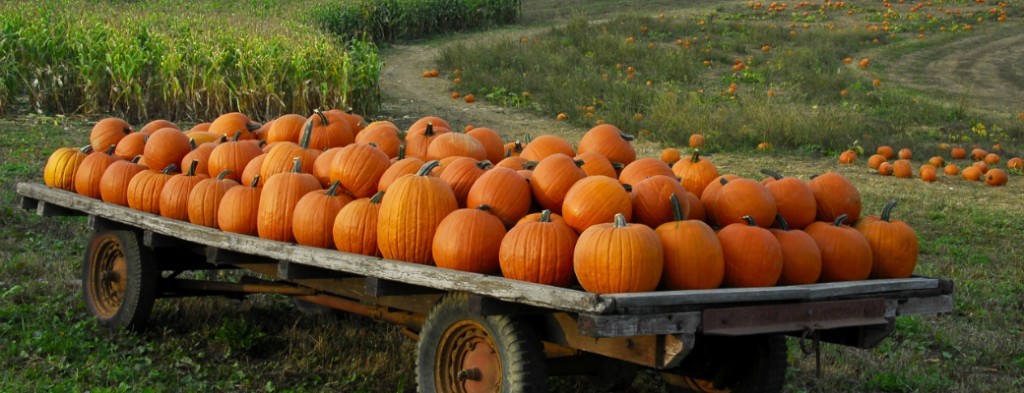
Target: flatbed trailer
pixel 486 333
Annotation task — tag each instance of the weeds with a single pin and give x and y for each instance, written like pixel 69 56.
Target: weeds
pixel 393 20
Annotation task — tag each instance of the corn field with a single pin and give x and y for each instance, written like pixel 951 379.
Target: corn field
pixel 148 60
pixel 391 20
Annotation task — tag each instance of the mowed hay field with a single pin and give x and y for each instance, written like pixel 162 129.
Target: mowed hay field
pixel 969 231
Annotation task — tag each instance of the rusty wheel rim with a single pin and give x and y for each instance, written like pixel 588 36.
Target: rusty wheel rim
pixel 107 277
pixel 468 360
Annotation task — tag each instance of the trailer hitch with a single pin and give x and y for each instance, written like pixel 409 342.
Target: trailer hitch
pixel 811 332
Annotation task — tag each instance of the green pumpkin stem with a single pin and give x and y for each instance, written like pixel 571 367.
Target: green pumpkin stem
pixel 627 137
pixel 169 169
pixel 135 160
pixel 323 118
pixel 110 150
pixel 618 166
pixel 839 220
pixel 887 210
pixel 296 165
pixel 223 174
pixel 750 221
pixel 253 126
pixel 628 187
pixel 255 181
pixel 430 130
pixel 307 134
pixel 530 165
pixel 192 143
pixel 677 208
pixel 428 167
pixel 238 134
pixel 545 215
pixel 401 152
pixel 775 175
pixel 484 164
pixel 376 198
pixel 723 180
pixel 86 149
pixel 579 163
pixel 620 221
pixel 782 222
pixel 333 190
pixel 519 145
pixel 695 158
pixel 484 207
pixel 508 153
pixel 192 168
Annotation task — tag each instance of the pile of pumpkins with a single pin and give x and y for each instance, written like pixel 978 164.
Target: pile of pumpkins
pixel 541 211
pixel 901 168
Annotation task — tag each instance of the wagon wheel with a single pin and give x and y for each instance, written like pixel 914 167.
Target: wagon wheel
pixel 119 279
pixel 462 352
pixel 731 364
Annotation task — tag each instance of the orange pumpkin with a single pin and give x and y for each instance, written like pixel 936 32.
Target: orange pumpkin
pixel 801 258
pixel 894 244
pixel 886 152
pixel 847 157
pixel 514 149
pixel 403 166
pixel 609 141
pixel 164 147
pixel 695 173
pixel 239 209
pixel 229 123
pixel 90 171
pixel 928 174
pixel 905 154
pixel 131 145
pixel 461 174
pixel 618 257
pixel 287 128
pixel 279 159
pixel 552 179
pixel 355 226
pixel 835 195
pixel 205 198
pixel 232 156
pixel 417 143
pixel 314 216
pixel 996 177
pixel 693 255
pixel 958 153
pixel 978 154
pixel 1015 163
pixel 902 169
pixel 252 170
pixel 382 134
pixel 277 202
pixel 154 125
pixel 595 164
pixel 359 169
pixel 145 187
pixel 643 168
pixel 329 131
pixel 670 155
pixel 200 154
pixel 875 160
pixel 115 180
pixel 108 132
pixel 649 195
pixel 743 197
pixel 937 162
pixel 845 252
pixel 971 173
pixel 885 169
pixel 454 144
pixel 546 145
pixel 494 146
pixel 539 251
pixel 794 199
pixel 951 170
pixel 696 141
pixel 505 191
pixel 410 212
pixel 753 256
pixel 174 195
pixel 469 240
pixel 594 200
pixel 62 166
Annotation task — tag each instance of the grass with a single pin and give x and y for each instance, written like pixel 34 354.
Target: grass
pixel 394 20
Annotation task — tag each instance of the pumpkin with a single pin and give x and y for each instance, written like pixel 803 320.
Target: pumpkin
pixel 359 169
pixel 693 255
pixel 618 257
pixel 154 125
pixel 287 128
pixel 552 178
pixel 232 156
pixel 460 175
pixel 145 187
pixel 1015 163
pixel 670 155
pixel 410 212
pixel 794 199
pixel 198 127
pixel 403 166
pixel 936 162
pixel 696 141
pixel 978 154
pixel 847 157
pixel 905 154
pixel 277 202
pixel 205 199
pixel 971 173
pixel 174 195
pixel 425 123
pixel 469 240
pixel 280 157
pixel 753 256
pixel 355 122
pixel 382 134
pixel 951 170
pixel 252 170
pixel 643 168
pixel 536 217
pixel 229 123
pixel 981 165
pixel 696 208
pixel 514 149
pixel 203 137
pixel 539 251
pixel 328 131
pixel 131 145
pixel 454 144
pixel 200 154
pixel 315 212
pixel 958 153
pixel 494 147
pixel 609 141
pixel 893 244
pixel 845 252
pixel 710 195
pixel 505 191
pixel 743 197
pixel 902 169
pixel 595 164
pixel 885 169
pixel 835 195
pixel 115 180
pixel 355 226
pixel 239 209
pixel 108 132
pixel 546 145
pixel 649 195
pixel 928 174
pixel 164 147
pixel 695 173
pixel 801 258
pixel 996 177
pixel 594 200
pixel 875 160
pixel 515 163
pixel 322 166
pixel 416 144
pixel 90 171
pixel 62 166
pixel 886 152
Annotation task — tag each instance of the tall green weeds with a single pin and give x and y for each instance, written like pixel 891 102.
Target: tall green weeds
pixel 392 20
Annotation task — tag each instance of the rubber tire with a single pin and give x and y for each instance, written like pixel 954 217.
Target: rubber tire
pixel 519 350
pixel 140 285
pixel 746 364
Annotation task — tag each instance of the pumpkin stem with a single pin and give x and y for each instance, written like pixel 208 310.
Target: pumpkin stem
pixel 530 165
pixel 579 163
pixel 430 130
pixel 127 130
pixel 484 207
pixel 222 174
pixel 261 144
pixel 255 181
pixel 775 175
pixel 135 160
pixel 238 134
pixel 296 165
pixel 750 221
pixel 723 180
pixel 333 190
pixel 618 166
pixel 628 187
pixel 519 145
pixel 695 158
pixel 145 138
pixel 170 168
pixel 253 126
pixel 192 168
pixel 307 134
pixel 545 215
pixel 484 164
pixel 371 144
pixel 110 150
pixel 508 153
pixel 376 198
pixel 677 208
pixel 429 166
pixel 887 210
pixel 401 152
pixel 323 119
pixel 223 138
pixel 86 149
pixel 839 220
pixel 620 221
pixel 192 143
pixel 627 137
pixel 782 221
pixel 529 139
